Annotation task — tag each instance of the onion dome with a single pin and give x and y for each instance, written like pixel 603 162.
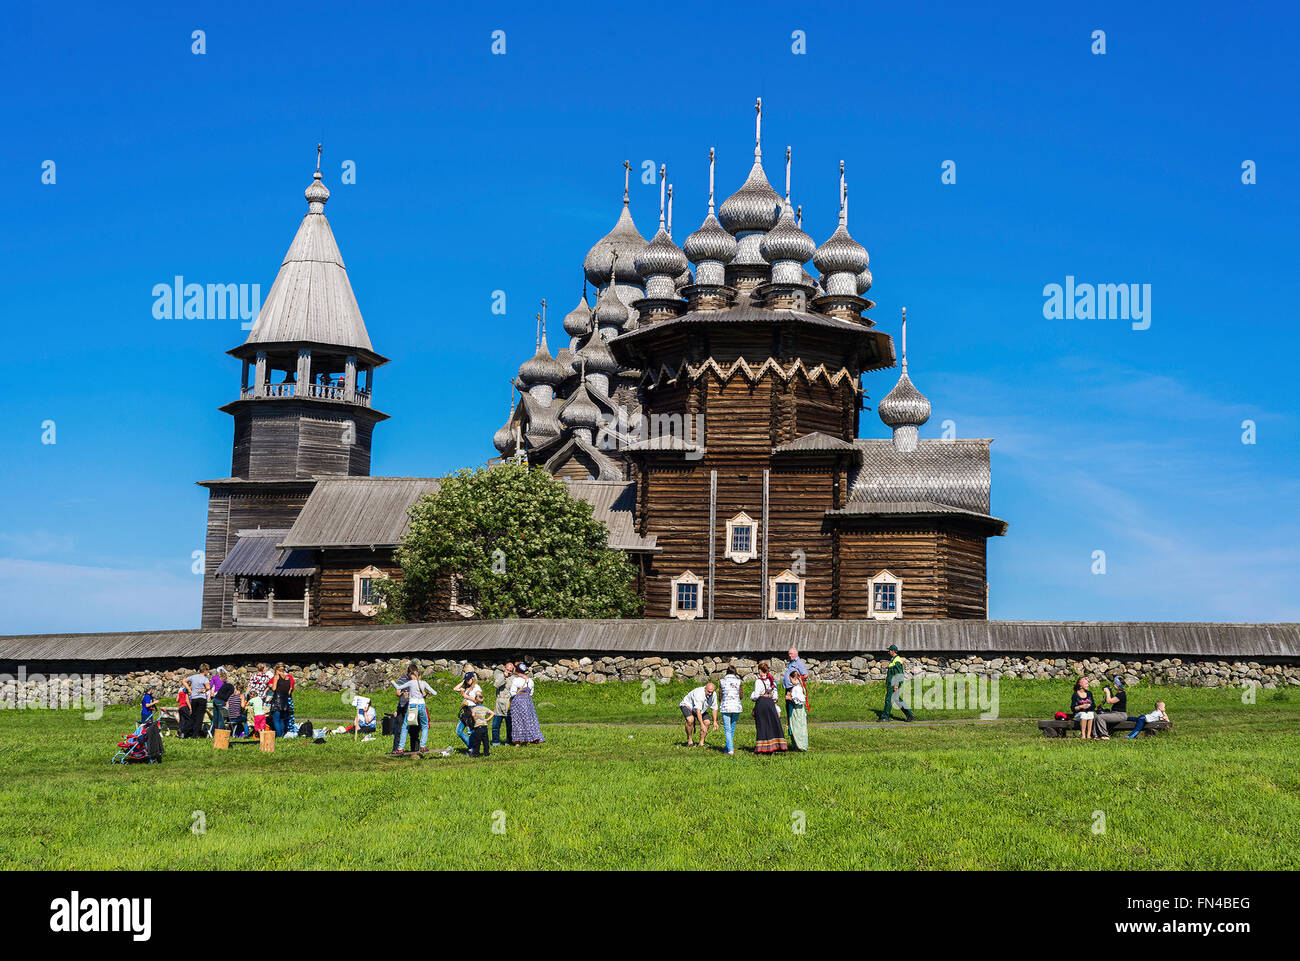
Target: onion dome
pixel 864 281
pixel 660 258
pixel 786 241
pixel 610 310
pixel 904 408
pixel 579 410
pixel 625 240
pixel 710 243
pixel 841 258
pixel 755 206
pixel 597 356
pixel 316 193
pixel 504 439
pixel 542 368
pixel 577 322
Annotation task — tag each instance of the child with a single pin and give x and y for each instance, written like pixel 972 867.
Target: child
pixel 257 707
pixel 183 716
pixel 1157 715
pixel 1081 708
pixel 148 704
pixel 235 709
pixel 479 738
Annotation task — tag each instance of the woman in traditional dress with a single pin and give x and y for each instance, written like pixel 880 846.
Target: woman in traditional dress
pixel 797 700
pixel 524 728
pixel 767 720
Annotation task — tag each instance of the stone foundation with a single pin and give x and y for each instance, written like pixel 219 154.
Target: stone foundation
pixel 125 683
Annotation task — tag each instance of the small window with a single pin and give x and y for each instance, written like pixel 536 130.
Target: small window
pixel 365 600
pixel 742 538
pixel 885 596
pixel 786 596
pixel 687 597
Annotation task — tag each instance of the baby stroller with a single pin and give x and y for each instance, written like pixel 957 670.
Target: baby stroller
pixel 145 746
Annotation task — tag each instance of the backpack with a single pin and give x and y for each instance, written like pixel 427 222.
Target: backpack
pixel 466 716
pixel 306 730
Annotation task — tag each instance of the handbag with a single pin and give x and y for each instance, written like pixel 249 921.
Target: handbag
pixel 412 716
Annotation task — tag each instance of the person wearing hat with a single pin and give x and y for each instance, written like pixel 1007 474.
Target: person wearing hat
pixel 894 675
pixel 1113 707
pixel 469 690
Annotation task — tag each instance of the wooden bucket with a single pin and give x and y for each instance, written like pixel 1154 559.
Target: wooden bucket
pixel 221 739
pixel 267 741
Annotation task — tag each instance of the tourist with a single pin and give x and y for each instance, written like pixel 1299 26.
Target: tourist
pixel 524 726
pixel 258 707
pixel 221 691
pixel 1081 707
pixel 1157 715
pixel 259 685
pixel 399 719
pixel 501 710
pixel 198 686
pixel 415 689
pixel 480 715
pixel 290 723
pixel 894 675
pixel 183 714
pixel 730 705
pixel 280 687
pixel 363 722
pixel 469 690
pixel 1113 708
pixel 768 738
pixel 693 706
pixel 796 672
pixel 148 704
pixel 235 709
pixel 797 722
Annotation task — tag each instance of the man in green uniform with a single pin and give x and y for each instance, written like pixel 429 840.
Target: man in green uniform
pixel 893 679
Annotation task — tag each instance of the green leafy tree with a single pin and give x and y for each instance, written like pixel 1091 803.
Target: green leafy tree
pixel 519 545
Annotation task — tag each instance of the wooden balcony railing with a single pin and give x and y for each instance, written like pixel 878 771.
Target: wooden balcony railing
pixel 271 611
pixel 335 393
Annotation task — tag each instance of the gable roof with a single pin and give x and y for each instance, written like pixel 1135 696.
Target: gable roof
pixel 357 511
pixel 954 473
pixel 613 503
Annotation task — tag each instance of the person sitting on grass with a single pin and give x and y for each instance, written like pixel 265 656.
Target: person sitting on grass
pixel 693 706
pixel 478 739
pixel 1157 715
pixel 1081 707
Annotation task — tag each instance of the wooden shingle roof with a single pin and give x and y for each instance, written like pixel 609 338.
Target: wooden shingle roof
pixel 819 638
pixel 357 511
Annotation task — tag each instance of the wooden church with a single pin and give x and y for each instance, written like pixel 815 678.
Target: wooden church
pixel 711 416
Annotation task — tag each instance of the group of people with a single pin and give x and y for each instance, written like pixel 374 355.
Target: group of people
pixel 241 709
pixel 725 699
pixel 1095 715
pixel 513 707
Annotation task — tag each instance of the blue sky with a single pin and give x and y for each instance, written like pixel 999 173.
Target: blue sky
pixel 478 172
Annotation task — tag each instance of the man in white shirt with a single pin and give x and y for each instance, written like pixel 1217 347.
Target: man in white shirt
pixel 693 707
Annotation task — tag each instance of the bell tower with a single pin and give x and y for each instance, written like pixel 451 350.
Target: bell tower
pixel 304 408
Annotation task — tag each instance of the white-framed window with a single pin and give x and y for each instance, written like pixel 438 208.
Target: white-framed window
pixel 364 599
pixel 884 596
pixel 742 538
pixel 786 596
pixel 688 597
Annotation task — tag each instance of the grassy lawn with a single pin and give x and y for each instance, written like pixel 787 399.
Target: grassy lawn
pixel 1220 791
